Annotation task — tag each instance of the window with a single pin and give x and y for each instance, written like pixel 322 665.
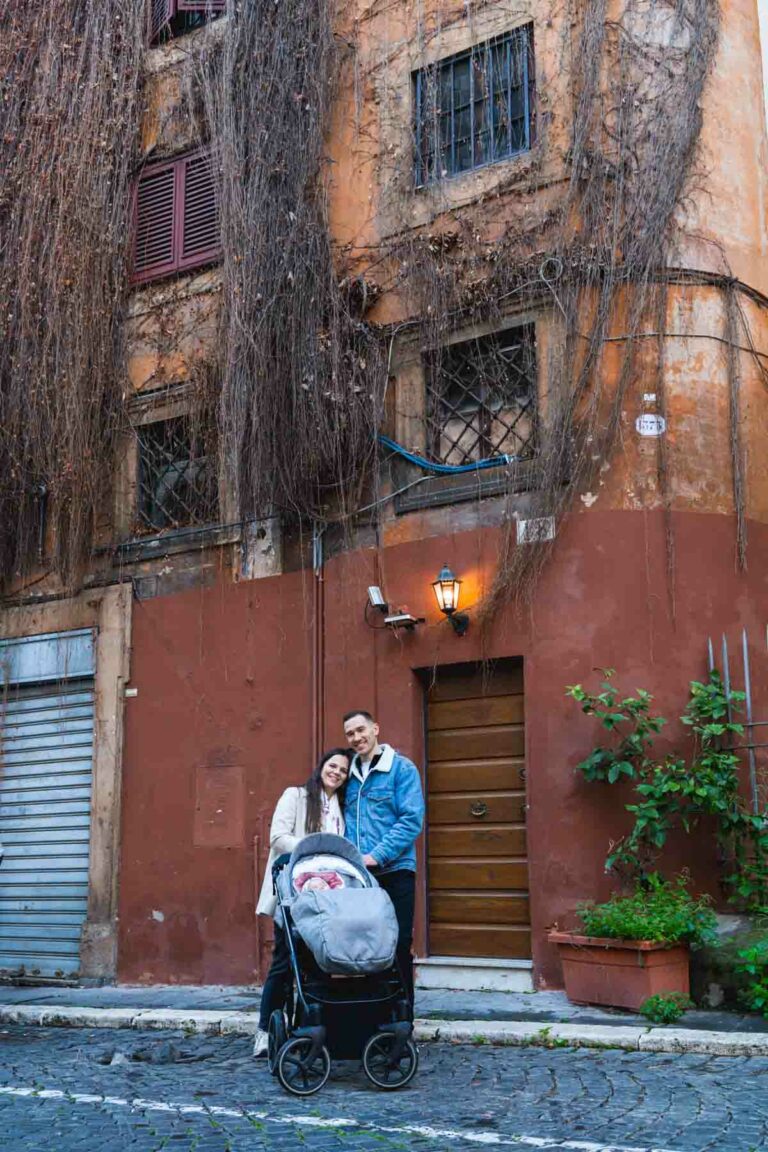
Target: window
pixel 168 18
pixel 474 108
pixel 481 398
pixel 176 218
pixel 177 485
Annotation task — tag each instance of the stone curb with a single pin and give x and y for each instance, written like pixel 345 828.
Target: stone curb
pixel 198 1022
pixel 503 1032
pixel 514 1032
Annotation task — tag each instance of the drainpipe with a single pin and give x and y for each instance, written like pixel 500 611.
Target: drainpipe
pixel 318 643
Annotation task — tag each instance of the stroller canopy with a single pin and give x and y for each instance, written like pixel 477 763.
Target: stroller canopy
pixel 326 844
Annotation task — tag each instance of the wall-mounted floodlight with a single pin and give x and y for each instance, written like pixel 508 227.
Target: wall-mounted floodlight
pixel 399 618
pixel 376 599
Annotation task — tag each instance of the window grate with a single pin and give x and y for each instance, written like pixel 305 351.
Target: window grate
pixel 170 18
pixel 176 480
pixel 474 108
pixel 481 398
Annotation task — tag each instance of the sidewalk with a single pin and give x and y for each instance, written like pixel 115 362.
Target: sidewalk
pixel 542 1018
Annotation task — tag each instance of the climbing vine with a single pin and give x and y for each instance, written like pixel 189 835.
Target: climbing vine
pixel 601 258
pixel 69 120
pixel 675 791
pixel 300 371
pixel 295 396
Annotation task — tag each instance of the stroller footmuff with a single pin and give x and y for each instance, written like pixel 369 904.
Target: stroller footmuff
pixel 349 1000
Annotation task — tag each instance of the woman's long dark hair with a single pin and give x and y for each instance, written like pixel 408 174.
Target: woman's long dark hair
pixel 314 788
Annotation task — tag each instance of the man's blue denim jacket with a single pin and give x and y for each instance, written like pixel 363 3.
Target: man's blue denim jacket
pixel 385 814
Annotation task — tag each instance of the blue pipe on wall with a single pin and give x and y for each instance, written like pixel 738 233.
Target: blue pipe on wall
pixel 445 469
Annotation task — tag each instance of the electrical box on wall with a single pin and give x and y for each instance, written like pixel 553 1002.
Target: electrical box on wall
pixel 536 531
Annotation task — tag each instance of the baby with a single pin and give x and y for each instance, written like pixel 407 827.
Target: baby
pixel 317 881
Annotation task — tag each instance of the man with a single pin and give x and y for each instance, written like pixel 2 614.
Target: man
pixel 384 813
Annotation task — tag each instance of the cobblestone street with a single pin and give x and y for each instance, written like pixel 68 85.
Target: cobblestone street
pixel 70 1090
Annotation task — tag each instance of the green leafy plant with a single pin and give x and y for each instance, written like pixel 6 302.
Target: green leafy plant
pixel 676 791
pixel 752 966
pixel 661 911
pixel 665 1007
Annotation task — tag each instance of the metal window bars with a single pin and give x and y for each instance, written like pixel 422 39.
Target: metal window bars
pixel 482 398
pixel 758 774
pixel 177 486
pixel 169 18
pixel 474 108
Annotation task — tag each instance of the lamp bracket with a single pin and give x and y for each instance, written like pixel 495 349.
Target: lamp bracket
pixel 459 621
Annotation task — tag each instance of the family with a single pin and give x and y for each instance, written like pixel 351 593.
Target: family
pixel 371 794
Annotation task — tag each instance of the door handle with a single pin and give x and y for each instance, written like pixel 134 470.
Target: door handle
pixel 479 809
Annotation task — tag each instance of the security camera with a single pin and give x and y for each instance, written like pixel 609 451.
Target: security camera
pixel 376 599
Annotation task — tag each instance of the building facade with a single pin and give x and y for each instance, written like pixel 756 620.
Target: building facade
pixel 156 714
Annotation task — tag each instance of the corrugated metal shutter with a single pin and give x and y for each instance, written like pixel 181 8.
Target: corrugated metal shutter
pixel 46 762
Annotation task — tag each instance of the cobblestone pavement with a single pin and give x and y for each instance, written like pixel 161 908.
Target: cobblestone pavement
pixel 65 1090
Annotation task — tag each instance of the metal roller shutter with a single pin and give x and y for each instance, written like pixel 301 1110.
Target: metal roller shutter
pixel 46 762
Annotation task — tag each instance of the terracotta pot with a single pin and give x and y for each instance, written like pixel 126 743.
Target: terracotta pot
pixel 619 973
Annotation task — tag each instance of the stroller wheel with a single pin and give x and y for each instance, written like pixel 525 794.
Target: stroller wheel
pixel 278 1034
pixel 296 1073
pixel 379 1067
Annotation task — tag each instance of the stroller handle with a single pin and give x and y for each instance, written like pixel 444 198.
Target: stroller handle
pixel 279 864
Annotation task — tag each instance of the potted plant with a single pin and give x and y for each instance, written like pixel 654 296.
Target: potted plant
pixel 634 946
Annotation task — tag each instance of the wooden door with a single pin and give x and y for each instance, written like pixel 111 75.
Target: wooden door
pixel 476 847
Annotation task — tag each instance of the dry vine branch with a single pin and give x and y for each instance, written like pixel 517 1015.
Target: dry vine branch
pixel 637 86
pixel 301 375
pixel 69 114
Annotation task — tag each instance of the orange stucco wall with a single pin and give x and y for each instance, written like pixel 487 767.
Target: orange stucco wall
pixel 222 721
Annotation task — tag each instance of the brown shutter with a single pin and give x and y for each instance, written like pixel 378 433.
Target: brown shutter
pixel 154 244
pixel 200 236
pixel 161 12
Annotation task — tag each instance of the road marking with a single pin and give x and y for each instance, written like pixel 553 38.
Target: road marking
pixel 492 1139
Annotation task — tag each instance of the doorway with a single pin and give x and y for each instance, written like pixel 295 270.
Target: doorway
pixel 477 865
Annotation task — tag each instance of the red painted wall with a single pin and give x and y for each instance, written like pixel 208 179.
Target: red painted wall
pixel 224 680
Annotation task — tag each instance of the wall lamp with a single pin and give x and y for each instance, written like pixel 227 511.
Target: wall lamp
pixel 447 588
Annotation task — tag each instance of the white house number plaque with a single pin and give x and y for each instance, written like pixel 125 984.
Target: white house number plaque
pixel 650 424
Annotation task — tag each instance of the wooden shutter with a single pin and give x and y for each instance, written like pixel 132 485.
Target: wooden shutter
pixel 200 239
pixel 154 245
pixel 161 12
pixel 176 218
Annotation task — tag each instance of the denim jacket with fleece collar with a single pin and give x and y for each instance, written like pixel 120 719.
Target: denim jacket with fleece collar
pixel 385 813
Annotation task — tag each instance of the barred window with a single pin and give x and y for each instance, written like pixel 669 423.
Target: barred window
pixel 474 108
pixel 481 398
pixel 169 18
pixel 176 479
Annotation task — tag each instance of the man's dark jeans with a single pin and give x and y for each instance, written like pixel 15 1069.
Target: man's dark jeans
pixel 400 886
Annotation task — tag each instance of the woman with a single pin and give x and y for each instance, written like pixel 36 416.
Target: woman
pixel 316 807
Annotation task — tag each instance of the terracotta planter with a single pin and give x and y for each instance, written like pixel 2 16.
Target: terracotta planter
pixel 619 973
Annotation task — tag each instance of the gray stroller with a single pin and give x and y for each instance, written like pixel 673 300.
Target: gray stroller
pixel 348 998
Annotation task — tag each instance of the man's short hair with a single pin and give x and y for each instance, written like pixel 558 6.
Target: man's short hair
pixel 357 712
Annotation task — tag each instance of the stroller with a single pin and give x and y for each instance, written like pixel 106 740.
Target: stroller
pixel 348 998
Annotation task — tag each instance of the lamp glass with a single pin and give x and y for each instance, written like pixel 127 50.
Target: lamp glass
pixel 447 591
